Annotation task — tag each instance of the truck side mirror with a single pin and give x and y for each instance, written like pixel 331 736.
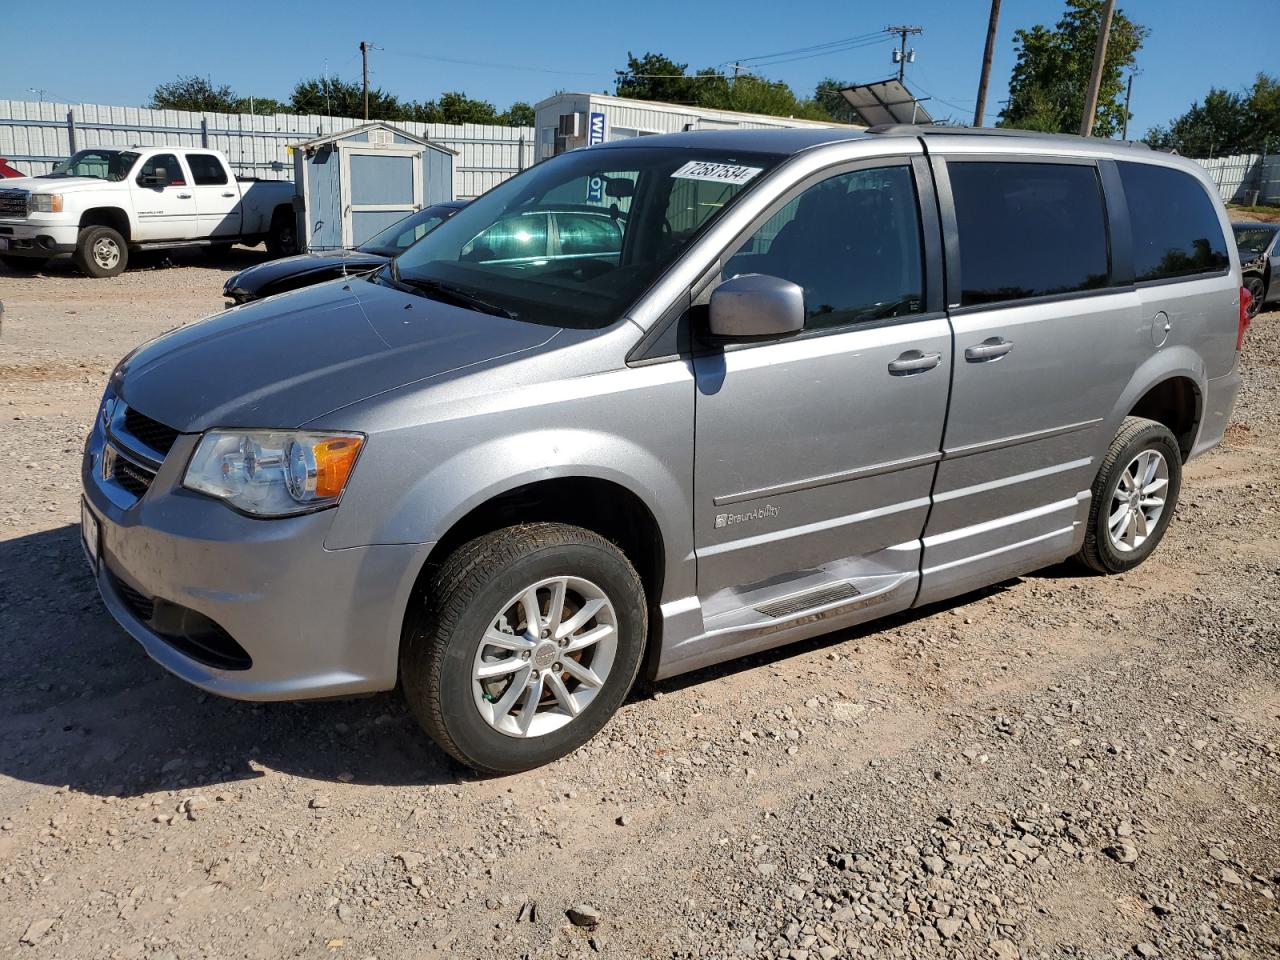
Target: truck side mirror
pixel 756 305
pixel 159 177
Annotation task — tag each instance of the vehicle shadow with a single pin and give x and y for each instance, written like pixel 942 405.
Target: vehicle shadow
pixel 230 259
pixel 81 704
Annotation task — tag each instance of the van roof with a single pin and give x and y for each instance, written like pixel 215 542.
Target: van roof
pixel 793 140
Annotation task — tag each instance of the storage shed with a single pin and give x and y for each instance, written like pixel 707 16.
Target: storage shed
pixel 568 121
pixel 351 184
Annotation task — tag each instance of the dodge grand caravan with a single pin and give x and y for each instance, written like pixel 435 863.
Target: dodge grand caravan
pixel 824 377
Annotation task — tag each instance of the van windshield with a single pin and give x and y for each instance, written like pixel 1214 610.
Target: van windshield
pixel 573 241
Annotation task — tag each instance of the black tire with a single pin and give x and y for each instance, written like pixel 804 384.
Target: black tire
pixel 1258 288
pixel 461 600
pixel 282 240
pixel 24 264
pixel 1136 435
pixel 94 252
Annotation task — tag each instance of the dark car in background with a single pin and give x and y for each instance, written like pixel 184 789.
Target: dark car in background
pixel 1259 246
pixel 292 273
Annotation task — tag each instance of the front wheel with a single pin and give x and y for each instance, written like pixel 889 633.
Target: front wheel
pixel 101 252
pixel 1134 496
pixel 524 643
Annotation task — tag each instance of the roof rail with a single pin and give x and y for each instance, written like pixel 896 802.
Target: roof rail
pixel 934 130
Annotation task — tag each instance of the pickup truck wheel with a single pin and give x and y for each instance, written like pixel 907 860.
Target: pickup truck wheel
pixel 24 264
pixel 523 645
pixel 101 252
pixel 1134 496
pixel 282 241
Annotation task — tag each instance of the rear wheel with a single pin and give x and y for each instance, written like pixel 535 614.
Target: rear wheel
pixel 525 643
pixel 282 240
pixel 1257 288
pixel 24 264
pixel 1134 496
pixel 101 252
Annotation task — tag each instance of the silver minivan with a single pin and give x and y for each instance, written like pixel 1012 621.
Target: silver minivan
pixel 773 384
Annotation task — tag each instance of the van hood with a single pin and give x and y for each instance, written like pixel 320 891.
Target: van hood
pixel 285 361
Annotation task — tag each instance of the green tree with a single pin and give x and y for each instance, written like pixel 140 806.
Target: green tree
pixel 519 114
pixel 194 93
pixel 261 106
pixel 454 107
pixel 339 98
pixel 1051 75
pixel 1225 123
pixel 655 77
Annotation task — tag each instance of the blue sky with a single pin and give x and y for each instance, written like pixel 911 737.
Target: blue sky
pixel 116 54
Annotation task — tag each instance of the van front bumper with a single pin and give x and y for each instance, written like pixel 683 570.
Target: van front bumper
pixel 245 608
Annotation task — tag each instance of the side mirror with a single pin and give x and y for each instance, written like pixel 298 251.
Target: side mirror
pixel 757 305
pixel 158 178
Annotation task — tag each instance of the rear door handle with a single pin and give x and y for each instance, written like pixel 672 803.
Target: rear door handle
pixel 228 194
pixel 913 361
pixel 992 348
pixel 184 196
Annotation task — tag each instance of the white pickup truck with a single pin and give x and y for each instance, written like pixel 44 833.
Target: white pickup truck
pixel 102 203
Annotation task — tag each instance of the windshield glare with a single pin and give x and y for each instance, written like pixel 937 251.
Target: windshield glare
pixel 575 240
pixel 1252 242
pixel 113 165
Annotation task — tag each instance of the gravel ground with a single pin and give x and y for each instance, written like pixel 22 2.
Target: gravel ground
pixel 1060 766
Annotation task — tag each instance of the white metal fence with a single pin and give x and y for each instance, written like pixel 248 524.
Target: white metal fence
pixel 37 135
pixel 1246 178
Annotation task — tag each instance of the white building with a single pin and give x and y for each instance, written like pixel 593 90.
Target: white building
pixel 567 121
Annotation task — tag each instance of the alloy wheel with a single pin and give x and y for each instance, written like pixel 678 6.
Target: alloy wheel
pixel 1138 501
pixel 545 656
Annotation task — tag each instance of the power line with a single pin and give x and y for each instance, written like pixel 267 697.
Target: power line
pixel 824 53
pixel 816 46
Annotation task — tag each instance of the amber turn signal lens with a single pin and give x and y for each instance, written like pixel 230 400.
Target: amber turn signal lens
pixel 334 459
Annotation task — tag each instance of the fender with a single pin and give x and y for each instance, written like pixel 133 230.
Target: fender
pixel 414 485
pixel 1167 364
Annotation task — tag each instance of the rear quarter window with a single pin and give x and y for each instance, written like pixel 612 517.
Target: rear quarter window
pixel 1176 231
pixel 1028 229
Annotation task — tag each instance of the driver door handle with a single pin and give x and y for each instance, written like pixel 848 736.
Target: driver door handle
pixel 992 348
pixel 228 194
pixel 184 196
pixel 913 361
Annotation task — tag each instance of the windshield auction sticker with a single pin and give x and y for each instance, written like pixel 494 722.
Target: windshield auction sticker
pixel 717 172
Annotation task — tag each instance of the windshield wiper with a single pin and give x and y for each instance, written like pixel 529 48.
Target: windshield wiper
pixel 450 293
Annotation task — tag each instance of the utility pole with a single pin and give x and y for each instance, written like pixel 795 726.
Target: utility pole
pixel 1128 95
pixel 903 32
pixel 981 106
pixel 364 55
pixel 1095 78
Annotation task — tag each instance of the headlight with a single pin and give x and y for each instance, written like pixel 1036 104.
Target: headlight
pixel 46 203
pixel 271 473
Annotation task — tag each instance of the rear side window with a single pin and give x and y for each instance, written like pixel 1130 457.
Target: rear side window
pixel 1028 229
pixel 206 170
pixel 1175 225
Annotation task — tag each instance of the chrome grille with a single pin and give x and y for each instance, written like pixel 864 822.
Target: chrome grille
pixel 14 203
pixel 131 476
